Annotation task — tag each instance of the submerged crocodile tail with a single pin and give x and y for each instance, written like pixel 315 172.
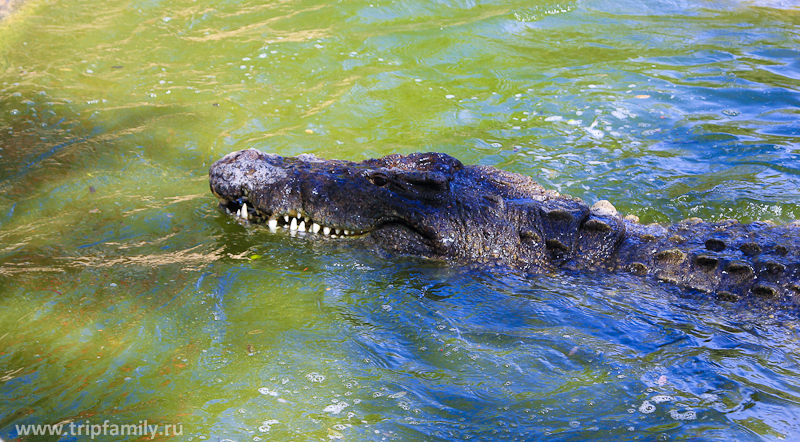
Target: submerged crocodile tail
pixel 732 260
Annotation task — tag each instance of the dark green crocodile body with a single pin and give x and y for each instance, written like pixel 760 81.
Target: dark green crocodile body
pixel 431 205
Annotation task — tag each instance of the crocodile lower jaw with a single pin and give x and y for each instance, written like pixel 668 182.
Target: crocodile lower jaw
pixel 293 220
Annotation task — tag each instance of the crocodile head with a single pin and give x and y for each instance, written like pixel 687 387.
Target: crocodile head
pixel 423 204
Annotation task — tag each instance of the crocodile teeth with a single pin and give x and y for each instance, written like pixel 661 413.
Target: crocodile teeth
pixel 294 221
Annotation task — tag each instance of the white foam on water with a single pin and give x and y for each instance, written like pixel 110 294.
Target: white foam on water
pixel 267 391
pixel 336 408
pixel 686 416
pixel 267 425
pixel 315 377
pixel 647 407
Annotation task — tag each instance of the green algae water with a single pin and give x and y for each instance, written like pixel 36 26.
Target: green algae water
pixel 128 301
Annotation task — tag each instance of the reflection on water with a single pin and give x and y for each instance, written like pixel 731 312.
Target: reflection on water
pixel 126 296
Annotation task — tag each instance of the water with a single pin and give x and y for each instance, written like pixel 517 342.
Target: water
pixel 125 296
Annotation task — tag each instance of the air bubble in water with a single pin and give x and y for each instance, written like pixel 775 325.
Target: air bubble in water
pixel 647 407
pixel 687 416
pixel 336 408
pixel 265 390
pixel 315 377
pixel 267 425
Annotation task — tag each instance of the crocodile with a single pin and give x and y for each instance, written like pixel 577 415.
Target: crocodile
pixel 431 205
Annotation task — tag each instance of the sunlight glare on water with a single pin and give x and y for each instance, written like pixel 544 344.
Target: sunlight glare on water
pixel 127 296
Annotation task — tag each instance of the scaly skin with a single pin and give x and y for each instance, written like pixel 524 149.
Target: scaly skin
pixel 433 206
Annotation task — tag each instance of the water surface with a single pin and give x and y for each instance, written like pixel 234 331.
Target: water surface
pixel 126 296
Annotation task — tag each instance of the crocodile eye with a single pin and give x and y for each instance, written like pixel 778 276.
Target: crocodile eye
pixel 378 180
